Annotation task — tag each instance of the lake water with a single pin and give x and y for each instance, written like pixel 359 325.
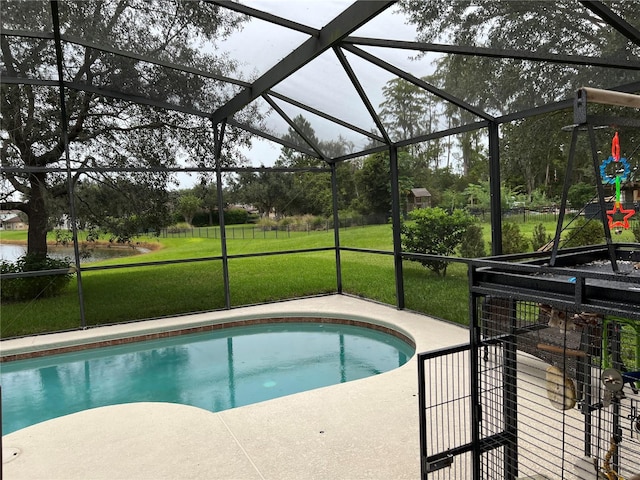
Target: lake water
pixel 10 253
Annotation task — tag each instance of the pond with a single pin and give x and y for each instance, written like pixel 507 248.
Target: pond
pixel 10 252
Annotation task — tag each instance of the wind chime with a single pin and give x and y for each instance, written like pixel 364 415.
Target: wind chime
pixel 618 216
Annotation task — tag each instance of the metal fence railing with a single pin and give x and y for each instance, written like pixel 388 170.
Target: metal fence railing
pixel 243 232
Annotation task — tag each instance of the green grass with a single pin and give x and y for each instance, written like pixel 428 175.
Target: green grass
pixel 129 294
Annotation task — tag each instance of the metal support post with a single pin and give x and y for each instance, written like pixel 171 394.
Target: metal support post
pixel 494 189
pixel 395 217
pixel 217 138
pixel 336 225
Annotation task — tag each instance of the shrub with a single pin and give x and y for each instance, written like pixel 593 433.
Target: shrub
pixel 472 245
pixel 179 228
pixel 285 222
pixel 319 223
pixel 539 237
pixel 265 223
pixel 512 240
pixel 232 216
pixel 584 232
pixel 636 231
pixel 236 216
pixel 434 231
pixel 29 288
pixel 203 219
pixel 296 223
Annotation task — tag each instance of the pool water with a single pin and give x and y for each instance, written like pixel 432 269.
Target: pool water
pixel 215 370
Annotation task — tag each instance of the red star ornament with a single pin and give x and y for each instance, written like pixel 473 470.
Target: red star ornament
pixel 627 214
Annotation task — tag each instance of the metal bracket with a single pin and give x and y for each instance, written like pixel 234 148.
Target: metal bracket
pixel 580 107
pixel 439 463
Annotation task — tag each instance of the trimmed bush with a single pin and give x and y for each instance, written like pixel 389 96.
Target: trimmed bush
pixel 539 237
pixel 29 288
pixel 434 231
pixel 472 245
pixel 236 216
pixel 512 240
pixel 584 232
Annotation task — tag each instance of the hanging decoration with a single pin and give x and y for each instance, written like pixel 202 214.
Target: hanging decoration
pixel 621 173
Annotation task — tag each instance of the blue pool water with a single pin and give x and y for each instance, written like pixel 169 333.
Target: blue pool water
pixel 215 370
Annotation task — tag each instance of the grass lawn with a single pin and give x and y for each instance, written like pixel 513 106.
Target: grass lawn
pixel 142 292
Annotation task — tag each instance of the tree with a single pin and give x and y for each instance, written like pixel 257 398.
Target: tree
pixel 405 109
pixel 580 194
pixel 478 195
pixel 208 195
pixel 455 74
pixel 106 132
pixel 537 26
pixel 374 185
pixel 122 207
pixel 501 86
pixel 310 192
pixel 433 231
pixel 452 199
pixel 188 206
pixel 532 153
pixel 267 191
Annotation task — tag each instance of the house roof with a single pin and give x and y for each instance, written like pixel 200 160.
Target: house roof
pixel 9 217
pixel 420 192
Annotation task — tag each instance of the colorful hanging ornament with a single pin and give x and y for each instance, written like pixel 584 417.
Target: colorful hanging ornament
pixel 621 173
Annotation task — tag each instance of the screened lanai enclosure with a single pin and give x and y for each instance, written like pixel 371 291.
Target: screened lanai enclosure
pixel 317 120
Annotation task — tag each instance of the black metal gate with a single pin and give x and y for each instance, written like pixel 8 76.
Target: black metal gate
pixel 467 421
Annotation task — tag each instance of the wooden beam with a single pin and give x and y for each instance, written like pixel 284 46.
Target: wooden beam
pixel 569 352
pixel 609 97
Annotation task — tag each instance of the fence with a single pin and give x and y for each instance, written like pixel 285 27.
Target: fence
pixel 244 232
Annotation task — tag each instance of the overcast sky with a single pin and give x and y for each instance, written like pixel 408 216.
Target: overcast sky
pixel 322 83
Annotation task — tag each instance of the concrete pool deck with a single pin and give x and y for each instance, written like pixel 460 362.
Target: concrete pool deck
pixel 364 429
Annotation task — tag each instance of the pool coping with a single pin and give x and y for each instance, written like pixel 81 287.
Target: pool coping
pixel 66 342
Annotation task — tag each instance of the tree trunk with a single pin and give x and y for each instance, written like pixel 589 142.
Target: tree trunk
pixel 467 149
pixel 38 216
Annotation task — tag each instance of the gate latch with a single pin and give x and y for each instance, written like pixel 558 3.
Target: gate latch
pixel 439 463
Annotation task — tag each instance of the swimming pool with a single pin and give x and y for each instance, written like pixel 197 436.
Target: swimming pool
pixel 216 370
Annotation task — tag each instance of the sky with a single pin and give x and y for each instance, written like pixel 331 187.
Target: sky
pixel 274 42
pixel 322 83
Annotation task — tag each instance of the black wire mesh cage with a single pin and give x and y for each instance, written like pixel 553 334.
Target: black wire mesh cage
pixel 546 389
pixel 575 381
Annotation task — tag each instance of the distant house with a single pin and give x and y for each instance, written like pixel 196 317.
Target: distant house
pixel 11 221
pixel 418 198
pixel 629 198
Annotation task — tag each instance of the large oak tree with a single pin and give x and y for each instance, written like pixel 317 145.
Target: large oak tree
pixel 108 134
